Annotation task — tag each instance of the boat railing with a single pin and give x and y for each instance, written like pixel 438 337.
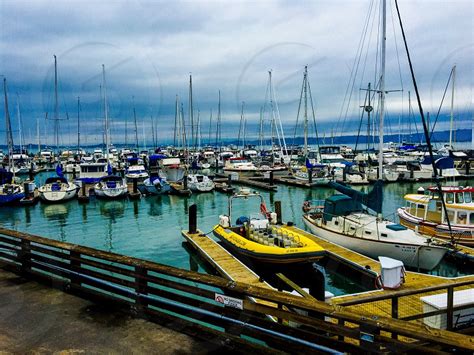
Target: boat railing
pixel 214 308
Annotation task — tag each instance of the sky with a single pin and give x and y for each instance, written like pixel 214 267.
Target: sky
pixel 150 48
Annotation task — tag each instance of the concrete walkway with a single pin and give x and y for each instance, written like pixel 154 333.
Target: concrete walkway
pixel 38 319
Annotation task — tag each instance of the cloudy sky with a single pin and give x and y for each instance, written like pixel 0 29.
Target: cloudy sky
pixel 149 49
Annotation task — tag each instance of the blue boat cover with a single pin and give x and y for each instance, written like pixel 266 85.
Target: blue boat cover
pixel 396 227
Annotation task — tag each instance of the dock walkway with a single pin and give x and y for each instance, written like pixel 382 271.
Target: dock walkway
pixel 413 281
pixel 225 263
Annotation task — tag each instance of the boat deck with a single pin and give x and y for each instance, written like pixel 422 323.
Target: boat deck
pixel 413 281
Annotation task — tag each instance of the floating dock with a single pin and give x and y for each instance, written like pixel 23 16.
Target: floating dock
pixel 257 182
pixel 412 304
pixel 291 181
pixel 225 263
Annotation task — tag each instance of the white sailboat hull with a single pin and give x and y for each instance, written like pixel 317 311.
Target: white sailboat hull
pixel 110 193
pixel 48 195
pixel 412 255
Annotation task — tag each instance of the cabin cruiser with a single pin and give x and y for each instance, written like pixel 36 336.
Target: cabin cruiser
pixel 344 219
pixel 424 214
pixel 239 165
pixel 172 169
pixel 136 172
pixel 92 172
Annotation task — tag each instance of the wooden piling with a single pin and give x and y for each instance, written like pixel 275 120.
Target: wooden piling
pixel 278 212
pixel 192 219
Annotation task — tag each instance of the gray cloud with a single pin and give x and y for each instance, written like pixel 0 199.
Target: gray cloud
pixel 150 47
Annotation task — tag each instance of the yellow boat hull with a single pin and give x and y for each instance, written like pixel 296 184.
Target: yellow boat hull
pixel 309 251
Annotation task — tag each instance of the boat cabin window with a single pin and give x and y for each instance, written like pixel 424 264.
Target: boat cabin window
pixel 471 218
pixel 459 197
pixel 450 215
pixel 462 217
pixel 384 235
pixel 421 207
pixel 467 197
pixel 336 223
pixel 368 232
pixel 449 197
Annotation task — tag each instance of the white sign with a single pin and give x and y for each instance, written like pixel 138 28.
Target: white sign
pixel 229 301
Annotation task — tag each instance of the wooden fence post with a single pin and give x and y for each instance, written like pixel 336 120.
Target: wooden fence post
pixel 75 268
pixel 449 308
pixel 24 256
pixel 141 289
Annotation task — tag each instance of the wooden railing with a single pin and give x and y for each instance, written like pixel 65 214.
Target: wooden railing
pixel 396 299
pixel 192 303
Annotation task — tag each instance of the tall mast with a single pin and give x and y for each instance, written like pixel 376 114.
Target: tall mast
pixel 8 126
pixel 56 104
pixel 191 111
pixel 20 133
pixel 260 131
pixel 38 134
pixel 176 122
pixel 106 114
pixel 210 128
pixel 198 131
pixel 451 124
pixel 78 124
pixel 305 85
pixel 382 87
pixel 135 121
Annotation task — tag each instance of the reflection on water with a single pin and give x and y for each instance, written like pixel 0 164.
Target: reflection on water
pixel 150 228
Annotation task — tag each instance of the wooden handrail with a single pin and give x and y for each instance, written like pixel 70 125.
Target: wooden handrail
pixel 338 312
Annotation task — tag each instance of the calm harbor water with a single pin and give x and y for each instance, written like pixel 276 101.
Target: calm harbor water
pixel 151 227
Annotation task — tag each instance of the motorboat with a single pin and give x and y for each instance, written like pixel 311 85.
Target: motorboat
pixel 424 213
pixel 258 236
pixel 154 185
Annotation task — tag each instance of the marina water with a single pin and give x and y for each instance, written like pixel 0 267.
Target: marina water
pixel 150 228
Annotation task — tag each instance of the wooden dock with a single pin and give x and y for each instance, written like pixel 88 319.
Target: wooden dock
pixel 414 281
pixel 257 182
pixel 225 263
pixel 291 181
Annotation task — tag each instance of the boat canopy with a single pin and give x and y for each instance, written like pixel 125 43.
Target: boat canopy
pixel 372 200
pixel 56 179
pixel 340 205
pixel 314 166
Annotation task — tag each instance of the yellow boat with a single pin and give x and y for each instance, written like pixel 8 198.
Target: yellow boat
pixel 258 237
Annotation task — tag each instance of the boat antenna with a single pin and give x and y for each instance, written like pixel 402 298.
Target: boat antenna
pixel 425 127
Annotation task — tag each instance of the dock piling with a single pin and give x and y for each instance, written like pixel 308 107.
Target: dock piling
pixel 310 176
pixel 31 173
pixel 135 186
pixel 192 219
pixel 26 188
pixel 278 212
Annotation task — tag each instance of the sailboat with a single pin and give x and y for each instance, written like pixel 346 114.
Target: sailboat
pixel 110 186
pixel 200 183
pixel 344 219
pixel 9 191
pixel 57 188
pixel 317 171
